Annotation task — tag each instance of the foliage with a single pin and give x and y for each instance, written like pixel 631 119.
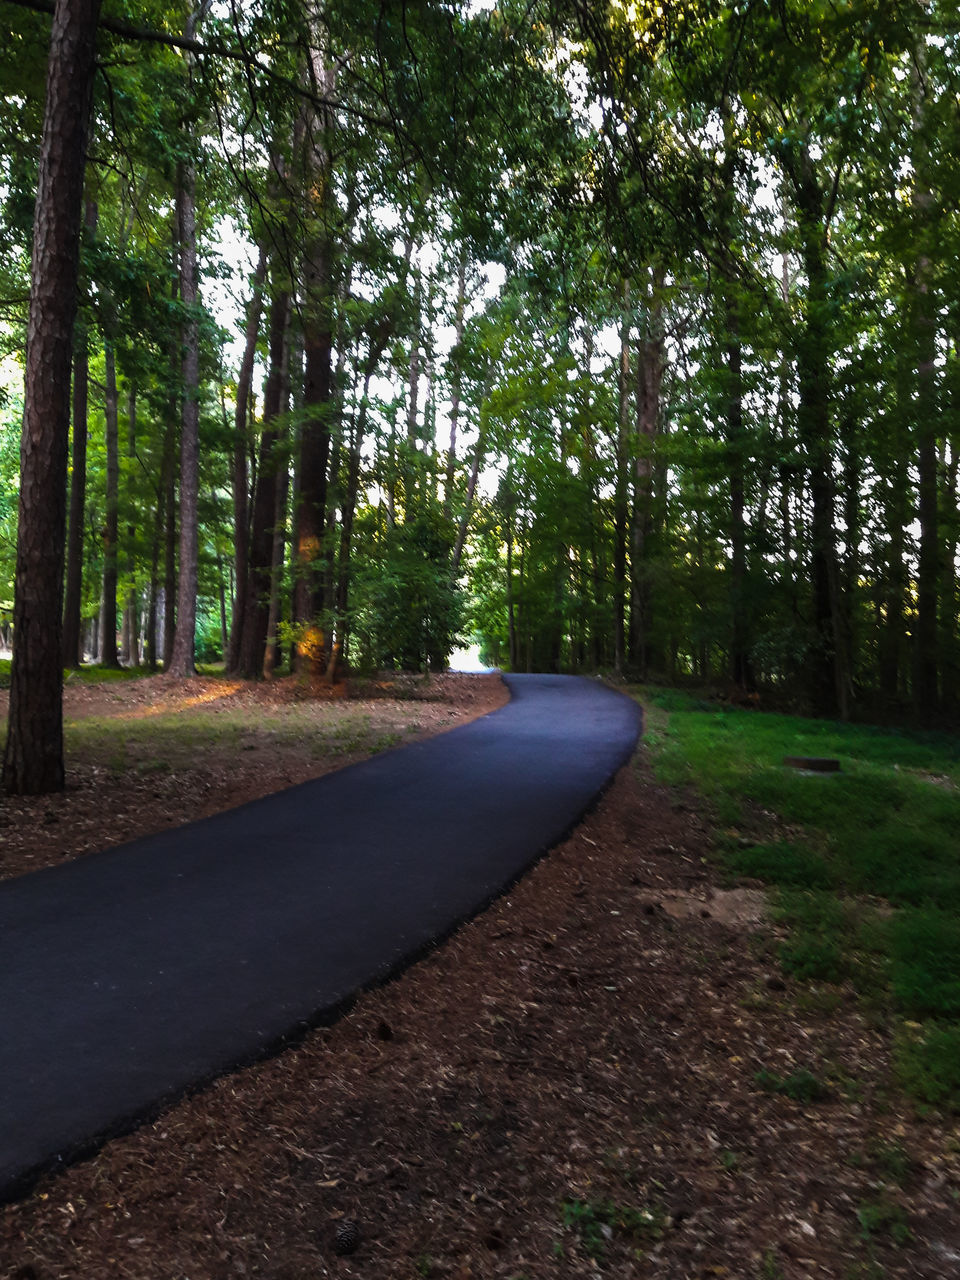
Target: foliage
pixel 800 1085
pixel 408 610
pixel 596 1222
pixel 867 882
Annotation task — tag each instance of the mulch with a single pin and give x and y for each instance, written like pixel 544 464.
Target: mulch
pixel 568 1087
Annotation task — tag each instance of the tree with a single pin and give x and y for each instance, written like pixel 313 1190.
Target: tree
pixel 33 758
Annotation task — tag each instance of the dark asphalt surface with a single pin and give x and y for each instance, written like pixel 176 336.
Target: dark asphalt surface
pixel 130 976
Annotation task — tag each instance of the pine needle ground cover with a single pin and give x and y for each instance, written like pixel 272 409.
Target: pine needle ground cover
pixel 863 862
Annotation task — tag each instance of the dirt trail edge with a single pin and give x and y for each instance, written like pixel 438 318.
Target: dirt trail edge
pixel 133 976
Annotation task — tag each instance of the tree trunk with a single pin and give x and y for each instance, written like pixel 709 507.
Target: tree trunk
pixel 73 603
pixel 33 757
pixel 241 497
pixel 741 669
pixel 827 665
pixel 253 636
pixel 649 381
pixel 922 315
pixel 131 613
pixel 182 659
pixel 311 510
pixel 108 597
pixel 169 547
pixel 455 391
pixel 621 484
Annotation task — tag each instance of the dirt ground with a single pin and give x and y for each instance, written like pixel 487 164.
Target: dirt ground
pixel 567 1088
pixel 223 742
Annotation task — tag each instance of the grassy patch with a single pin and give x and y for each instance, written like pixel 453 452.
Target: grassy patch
pixel 597 1222
pixel 799 1086
pixel 863 862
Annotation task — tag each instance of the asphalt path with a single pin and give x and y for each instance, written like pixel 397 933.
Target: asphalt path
pixel 131 976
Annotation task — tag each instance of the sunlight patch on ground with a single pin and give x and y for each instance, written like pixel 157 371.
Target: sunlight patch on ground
pixel 167 705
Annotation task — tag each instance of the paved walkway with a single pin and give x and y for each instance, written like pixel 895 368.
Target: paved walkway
pixel 129 976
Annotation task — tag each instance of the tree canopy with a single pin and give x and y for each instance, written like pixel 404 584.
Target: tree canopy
pixel 619 337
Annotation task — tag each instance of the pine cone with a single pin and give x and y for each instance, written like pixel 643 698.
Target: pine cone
pixel 347 1237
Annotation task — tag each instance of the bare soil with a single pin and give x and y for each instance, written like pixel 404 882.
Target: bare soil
pixel 566 1088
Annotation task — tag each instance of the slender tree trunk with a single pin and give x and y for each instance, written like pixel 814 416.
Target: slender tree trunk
pixel 151 653
pixel 108 598
pixel 923 319
pixel 131 619
pixel 455 392
pixel 72 656
pixel 182 659
pixel 621 483
pixel 253 637
pixel 926 665
pixel 827 666
pixel 649 382
pixel 33 757
pixel 312 556
pixel 347 515
pixel 949 656
pixel 271 657
pixel 241 498
pixel 73 603
pixel 741 669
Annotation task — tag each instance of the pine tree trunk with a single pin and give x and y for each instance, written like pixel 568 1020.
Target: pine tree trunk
pixel 131 613
pixel 253 636
pixel 108 596
pixel 455 391
pixel 922 314
pixel 182 659
pixel 649 381
pixel 241 497
pixel 621 486
pixel 311 509
pixel 828 672
pixel 73 602
pixel 926 664
pixel 169 547
pixel 741 668
pixel 33 757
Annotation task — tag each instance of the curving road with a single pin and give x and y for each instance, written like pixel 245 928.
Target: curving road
pixel 130 976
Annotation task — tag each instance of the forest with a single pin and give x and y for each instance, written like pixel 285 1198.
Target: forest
pixel 619 336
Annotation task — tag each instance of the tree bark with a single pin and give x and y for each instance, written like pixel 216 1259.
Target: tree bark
pixel 33 757
pixel 182 659
pixel 455 391
pixel 253 636
pixel 73 602
pixel 131 612
pixel 649 382
pixel 828 671
pixel 313 558
pixel 621 485
pixel 922 316
pixel 241 497
pixel 108 598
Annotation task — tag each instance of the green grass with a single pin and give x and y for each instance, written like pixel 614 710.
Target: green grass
pixel 182 737
pixel 800 1086
pixel 597 1222
pixel 864 863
